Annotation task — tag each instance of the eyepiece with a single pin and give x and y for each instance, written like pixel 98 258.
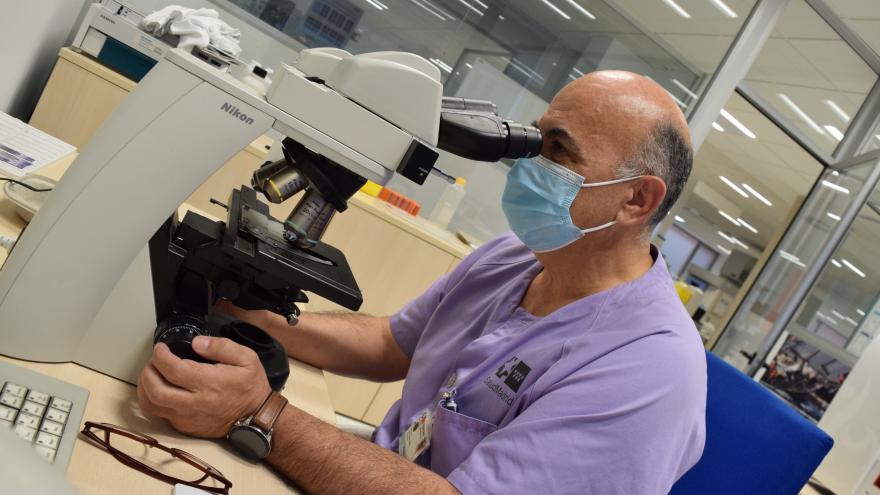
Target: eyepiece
pixel 523 141
pixel 472 129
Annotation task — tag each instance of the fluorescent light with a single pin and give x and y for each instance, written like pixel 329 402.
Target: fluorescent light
pixel 860 312
pixel 830 319
pixel 717 127
pixel 757 194
pixel 836 109
pixel 443 65
pixel 834 131
pixel 746 225
pixel 791 258
pixel 377 4
pixel 733 186
pixel 501 17
pixel 525 70
pixel 684 88
pixel 724 8
pixel 853 322
pixel 481 4
pixel 832 216
pixel 581 9
pixel 677 8
pixel 835 187
pixel 854 268
pixel 577 71
pixel 835 173
pixel 837 314
pixel 679 102
pixel 469 66
pixel 836 263
pixel 557 10
pixel 739 125
pixel 732 220
pixel 723 249
pixel 679 219
pixel 428 9
pixel 800 113
pixel 740 243
pixel 728 238
pixel 470 7
pixel 572 77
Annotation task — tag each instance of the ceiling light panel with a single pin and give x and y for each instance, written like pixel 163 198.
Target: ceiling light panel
pixel 581 9
pixel 733 186
pixel 556 9
pixel 801 114
pixel 724 8
pixel 677 8
pixel 736 123
pixel 756 194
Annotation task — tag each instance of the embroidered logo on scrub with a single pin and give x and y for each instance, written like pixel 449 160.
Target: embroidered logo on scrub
pixel 513 373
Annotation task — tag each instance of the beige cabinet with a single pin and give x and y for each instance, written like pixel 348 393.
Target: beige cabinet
pixel 394 257
pixel 392 267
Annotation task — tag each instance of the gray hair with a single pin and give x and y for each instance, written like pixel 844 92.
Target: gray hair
pixel 665 153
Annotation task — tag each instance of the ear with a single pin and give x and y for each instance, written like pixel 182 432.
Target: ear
pixel 647 194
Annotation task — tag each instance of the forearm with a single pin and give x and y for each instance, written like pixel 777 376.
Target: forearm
pixel 346 344
pixel 324 460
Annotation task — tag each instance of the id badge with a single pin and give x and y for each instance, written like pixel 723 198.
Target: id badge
pixel 417 437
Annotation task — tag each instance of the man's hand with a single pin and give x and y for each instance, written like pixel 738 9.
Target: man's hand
pixel 199 399
pixel 260 318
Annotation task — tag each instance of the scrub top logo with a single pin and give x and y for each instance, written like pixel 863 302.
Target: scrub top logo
pixel 514 373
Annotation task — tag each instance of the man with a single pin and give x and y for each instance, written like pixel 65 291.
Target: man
pixel 555 360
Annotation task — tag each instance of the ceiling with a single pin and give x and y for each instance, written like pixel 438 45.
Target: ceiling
pixel 772 164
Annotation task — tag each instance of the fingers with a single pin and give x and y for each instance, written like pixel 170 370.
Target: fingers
pixel 159 392
pixel 227 307
pixel 181 372
pixel 224 351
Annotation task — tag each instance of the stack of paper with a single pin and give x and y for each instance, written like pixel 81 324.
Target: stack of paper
pixel 25 149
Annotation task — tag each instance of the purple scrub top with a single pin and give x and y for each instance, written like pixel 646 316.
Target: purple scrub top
pixel 606 395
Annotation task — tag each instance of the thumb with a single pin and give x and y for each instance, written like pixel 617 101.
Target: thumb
pixel 223 350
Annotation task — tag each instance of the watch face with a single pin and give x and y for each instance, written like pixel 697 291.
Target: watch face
pixel 249 441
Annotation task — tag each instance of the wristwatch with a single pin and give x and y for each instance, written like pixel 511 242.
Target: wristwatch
pixel 252 436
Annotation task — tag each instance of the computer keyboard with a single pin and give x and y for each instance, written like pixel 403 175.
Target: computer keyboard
pixel 42 411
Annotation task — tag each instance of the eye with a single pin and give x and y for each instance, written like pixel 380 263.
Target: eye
pixel 557 146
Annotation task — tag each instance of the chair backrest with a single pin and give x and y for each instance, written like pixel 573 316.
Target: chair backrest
pixel 756 444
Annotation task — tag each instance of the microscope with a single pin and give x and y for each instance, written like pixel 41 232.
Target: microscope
pixel 80 274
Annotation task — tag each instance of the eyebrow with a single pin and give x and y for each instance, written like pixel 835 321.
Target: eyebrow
pixel 563 135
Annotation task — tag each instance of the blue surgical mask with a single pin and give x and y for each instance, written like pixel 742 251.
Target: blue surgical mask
pixel 537 199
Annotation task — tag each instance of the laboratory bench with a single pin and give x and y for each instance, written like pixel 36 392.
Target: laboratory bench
pixel 93 471
pixel 393 255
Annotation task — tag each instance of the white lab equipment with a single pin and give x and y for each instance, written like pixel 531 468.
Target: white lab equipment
pixel 84 281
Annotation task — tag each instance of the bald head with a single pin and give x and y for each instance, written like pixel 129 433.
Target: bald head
pixel 617 123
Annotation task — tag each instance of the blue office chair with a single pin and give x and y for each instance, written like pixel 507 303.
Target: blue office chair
pixel 756 444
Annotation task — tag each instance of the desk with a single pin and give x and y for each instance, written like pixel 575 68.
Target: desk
pixel 93 471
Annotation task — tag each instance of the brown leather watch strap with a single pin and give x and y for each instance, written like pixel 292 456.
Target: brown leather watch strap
pixel 268 413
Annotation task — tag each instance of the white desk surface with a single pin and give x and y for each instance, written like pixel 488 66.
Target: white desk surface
pixel 93 471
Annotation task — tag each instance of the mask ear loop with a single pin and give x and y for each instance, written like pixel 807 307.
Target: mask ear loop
pixel 610 182
pixel 600 227
pixel 606 183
